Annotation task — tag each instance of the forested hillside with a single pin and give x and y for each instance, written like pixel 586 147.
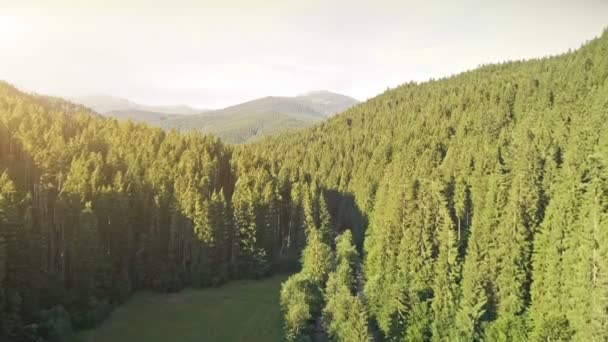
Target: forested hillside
pixel 264 116
pixel 468 208
pixel 92 209
pixel 487 200
pixel 239 123
pixel 116 107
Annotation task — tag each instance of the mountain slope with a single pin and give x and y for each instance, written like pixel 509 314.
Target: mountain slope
pixel 115 106
pixel 483 199
pixel 92 209
pixel 236 124
pixel 150 118
pixel 264 116
pixel 479 203
pixel 326 102
pixel 240 127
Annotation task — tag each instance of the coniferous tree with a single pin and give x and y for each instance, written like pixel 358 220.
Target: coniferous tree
pixel 547 290
pixel 296 304
pixel 325 227
pixel 446 292
pixel 317 258
pixel 345 315
pixel 520 148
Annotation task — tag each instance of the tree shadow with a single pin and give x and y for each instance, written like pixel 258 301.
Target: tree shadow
pixel 346 214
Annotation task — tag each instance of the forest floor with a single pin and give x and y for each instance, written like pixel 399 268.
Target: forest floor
pixel 246 310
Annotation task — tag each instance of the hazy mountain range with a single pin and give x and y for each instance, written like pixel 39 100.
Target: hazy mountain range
pixel 105 104
pixel 236 124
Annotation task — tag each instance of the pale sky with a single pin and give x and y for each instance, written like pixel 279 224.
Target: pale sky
pixel 211 54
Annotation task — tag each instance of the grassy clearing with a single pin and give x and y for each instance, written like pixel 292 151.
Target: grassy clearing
pixel 239 311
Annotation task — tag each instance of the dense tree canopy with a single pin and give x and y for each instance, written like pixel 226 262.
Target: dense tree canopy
pixel 477 208
pixel 92 209
pixel 483 196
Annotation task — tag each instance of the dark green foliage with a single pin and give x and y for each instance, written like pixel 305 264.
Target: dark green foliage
pixel 92 209
pixel 483 199
pixel 55 325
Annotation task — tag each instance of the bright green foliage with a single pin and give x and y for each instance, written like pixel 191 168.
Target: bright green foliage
pixel 317 258
pixel 296 305
pixel 250 257
pixel 482 195
pixel 346 253
pixel 586 257
pixel 481 199
pixel 479 274
pixel 302 298
pixel 345 315
pixel 445 283
pixel 92 209
pixel 547 290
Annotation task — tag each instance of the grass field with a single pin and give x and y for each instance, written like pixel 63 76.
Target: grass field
pixel 239 311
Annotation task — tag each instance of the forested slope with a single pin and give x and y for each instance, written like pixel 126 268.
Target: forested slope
pixel 487 200
pixel 238 123
pixel 261 117
pixel 92 209
pixel 483 200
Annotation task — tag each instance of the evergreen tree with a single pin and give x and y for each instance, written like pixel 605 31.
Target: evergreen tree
pixel 482 197
pixel 325 226
pixel 317 258
pixel 345 314
pixel 446 281
pixel 296 305
pixel 547 290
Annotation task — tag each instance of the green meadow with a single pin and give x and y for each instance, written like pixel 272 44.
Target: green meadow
pixel 245 310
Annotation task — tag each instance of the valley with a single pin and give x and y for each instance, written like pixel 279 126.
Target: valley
pixel 466 199
pixel 240 123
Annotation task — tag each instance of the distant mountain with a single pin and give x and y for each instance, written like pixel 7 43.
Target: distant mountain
pixel 264 116
pixel 235 124
pixel 151 118
pixel 117 107
pixel 326 102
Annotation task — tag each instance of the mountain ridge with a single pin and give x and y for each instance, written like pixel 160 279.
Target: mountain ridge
pixel 104 104
pixel 238 123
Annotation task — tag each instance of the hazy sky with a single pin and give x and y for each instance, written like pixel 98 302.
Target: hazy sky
pixel 215 53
